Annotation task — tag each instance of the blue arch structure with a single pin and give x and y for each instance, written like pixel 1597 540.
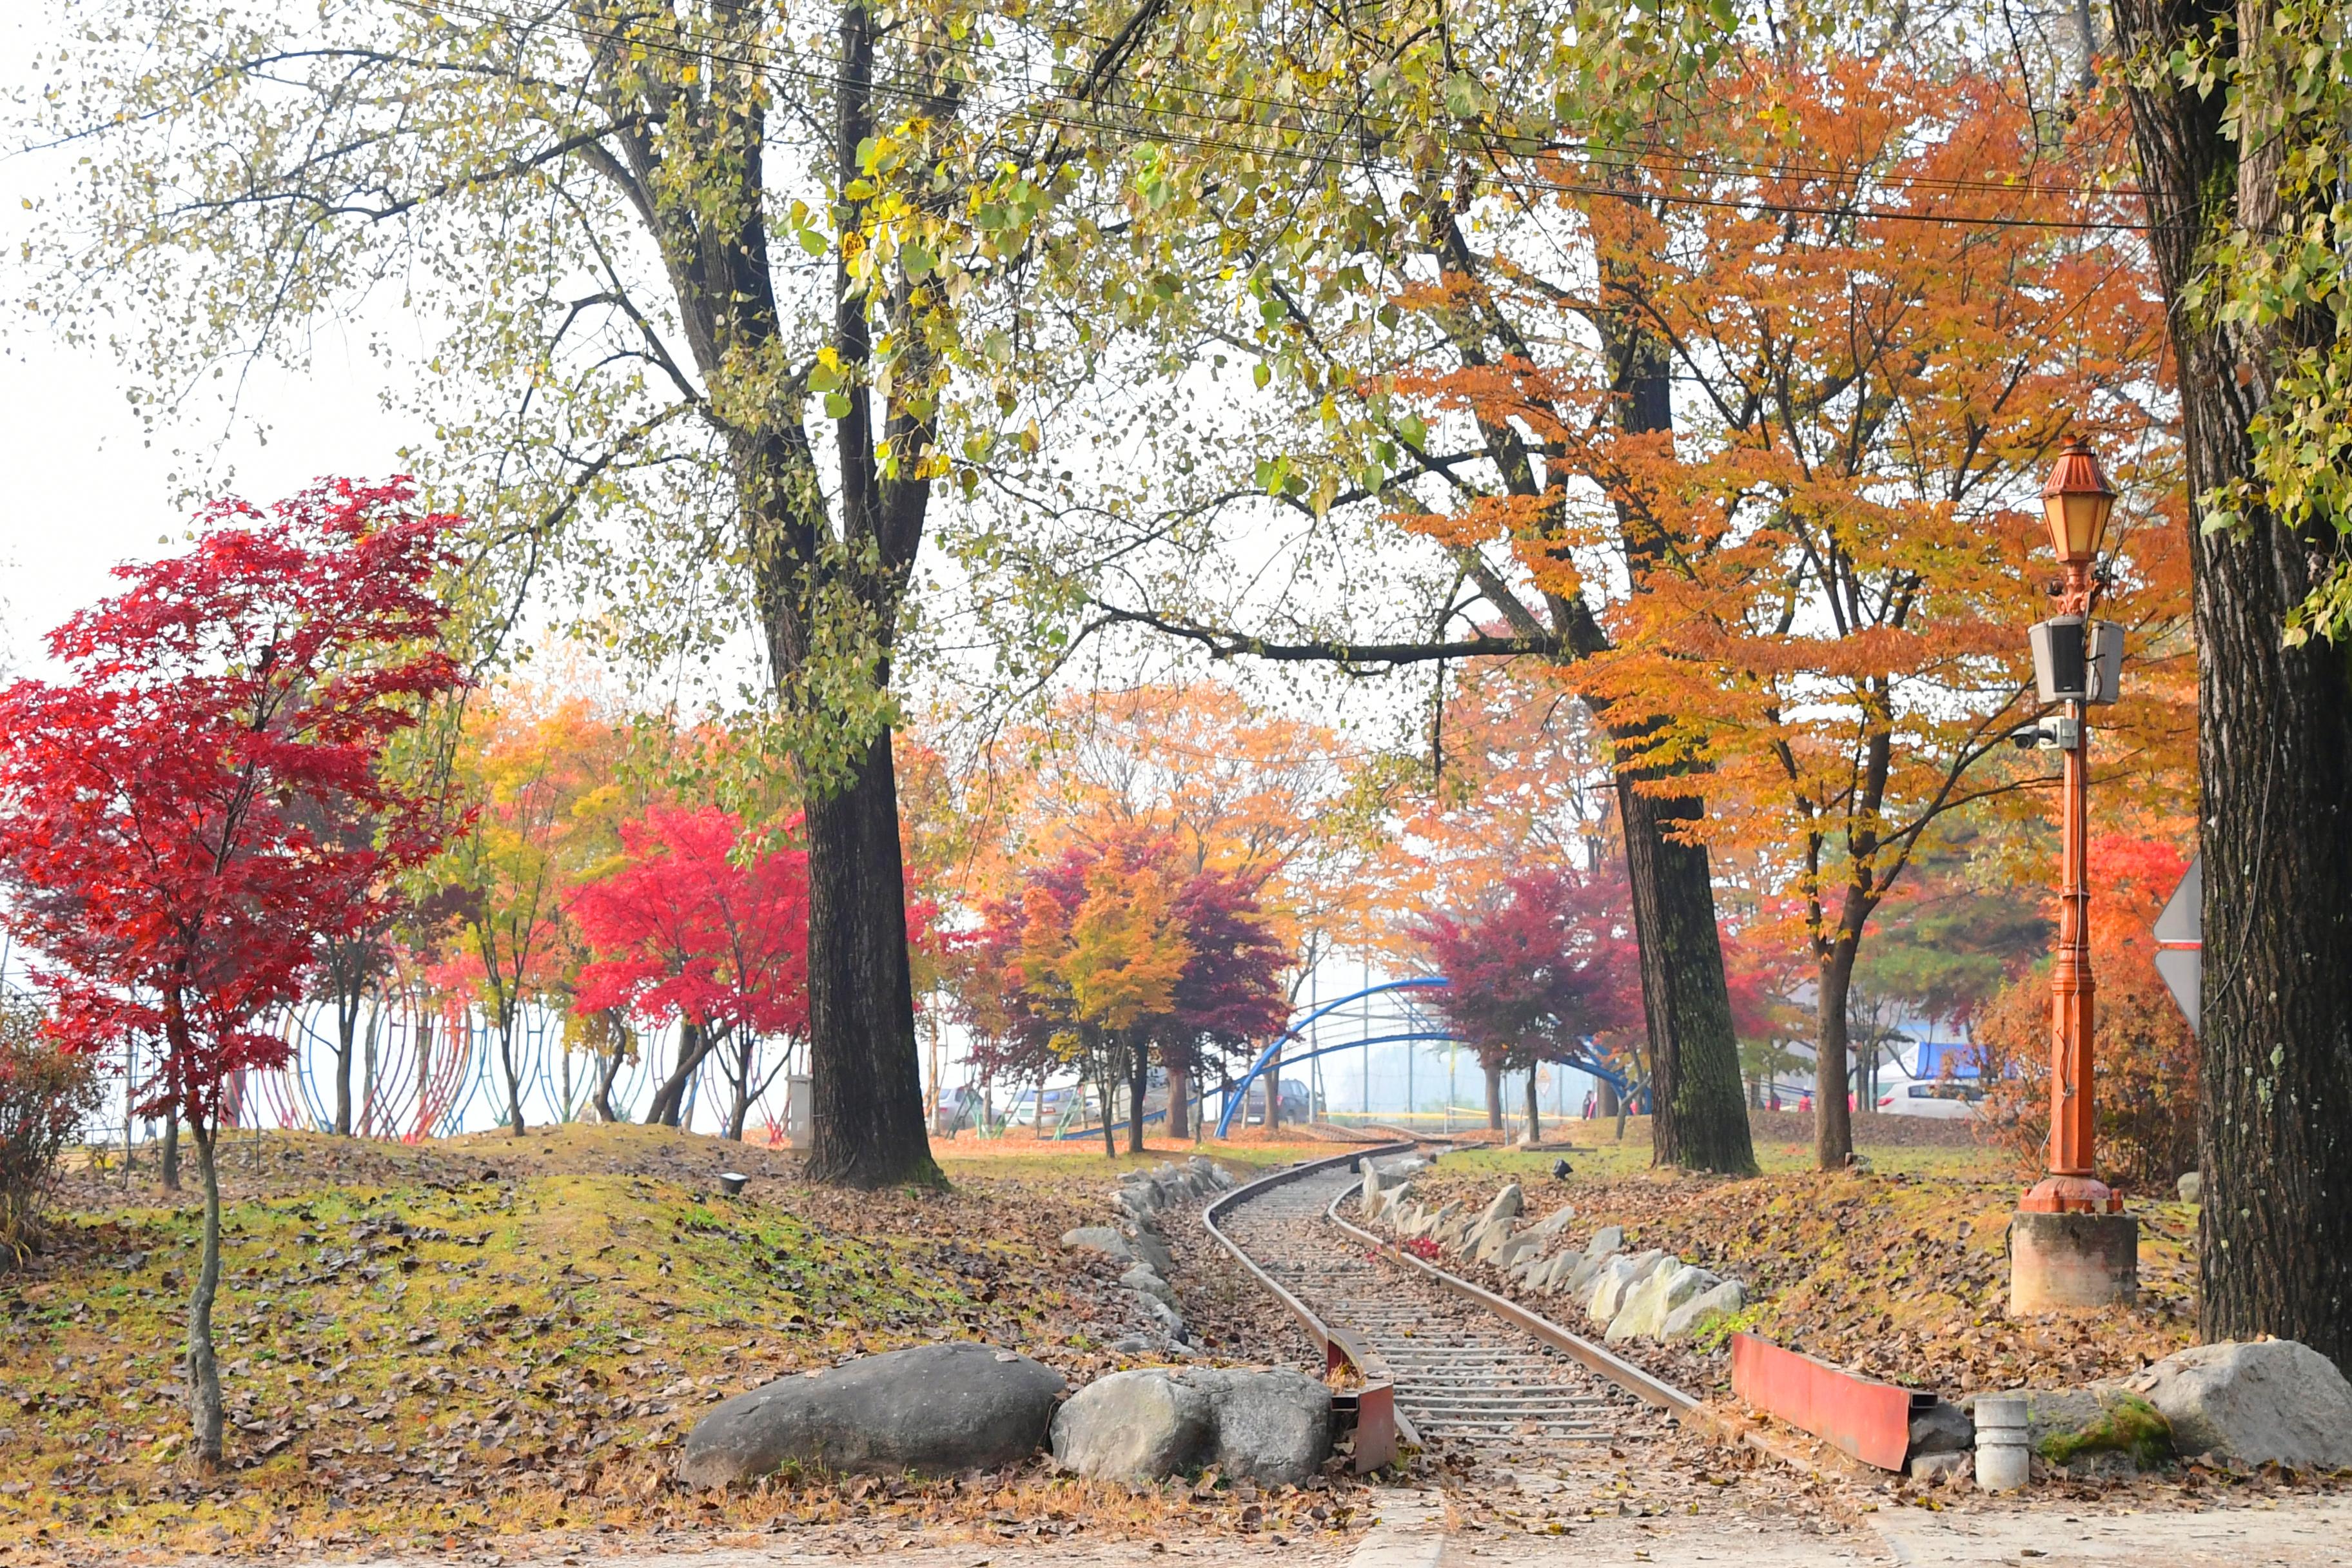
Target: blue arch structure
pixel 1238 1096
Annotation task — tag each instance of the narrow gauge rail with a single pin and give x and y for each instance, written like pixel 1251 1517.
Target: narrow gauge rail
pixel 1460 1366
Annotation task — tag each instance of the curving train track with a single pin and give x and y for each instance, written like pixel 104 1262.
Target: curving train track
pixel 1455 1365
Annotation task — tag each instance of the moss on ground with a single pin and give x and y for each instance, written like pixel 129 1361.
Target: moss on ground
pixel 491 1336
pixel 2125 1424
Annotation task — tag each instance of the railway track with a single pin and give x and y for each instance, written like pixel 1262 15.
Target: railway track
pixel 1461 1372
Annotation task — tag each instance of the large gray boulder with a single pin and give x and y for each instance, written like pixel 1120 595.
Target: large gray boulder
pixel 1609 1238
pixel 2268 1401
pixel 934 1409
pixel 1270 1427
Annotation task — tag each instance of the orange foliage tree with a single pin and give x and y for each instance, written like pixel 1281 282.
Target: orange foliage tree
pixel 2144 1099
pixel 1830 626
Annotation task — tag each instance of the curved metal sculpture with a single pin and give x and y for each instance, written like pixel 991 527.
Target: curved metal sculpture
pixel 1421 1032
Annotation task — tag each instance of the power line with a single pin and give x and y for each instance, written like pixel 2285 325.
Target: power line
pixel 1060 118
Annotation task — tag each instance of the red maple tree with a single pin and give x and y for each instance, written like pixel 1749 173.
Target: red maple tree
pixel 682 932
pixel 158 813
pixel 1546 965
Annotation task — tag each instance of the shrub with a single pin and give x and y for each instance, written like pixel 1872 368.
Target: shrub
pixel 45 1094
pixel 2144 1059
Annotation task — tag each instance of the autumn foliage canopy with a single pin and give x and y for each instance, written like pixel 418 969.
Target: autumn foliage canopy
pixel 160 844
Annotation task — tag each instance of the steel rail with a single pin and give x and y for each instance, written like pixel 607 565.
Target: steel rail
pixel 1623 1374
pixel 1380 1426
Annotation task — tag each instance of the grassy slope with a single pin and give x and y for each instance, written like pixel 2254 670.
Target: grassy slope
pixel 491 1335
pixel 1900 1273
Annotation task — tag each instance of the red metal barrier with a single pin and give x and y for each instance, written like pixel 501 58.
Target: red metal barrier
pixel 1869 1420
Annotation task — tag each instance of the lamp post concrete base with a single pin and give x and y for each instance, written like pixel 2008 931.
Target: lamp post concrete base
pixel 2063 1262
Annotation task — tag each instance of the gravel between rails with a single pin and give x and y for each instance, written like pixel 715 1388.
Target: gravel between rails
pixel 1463 1375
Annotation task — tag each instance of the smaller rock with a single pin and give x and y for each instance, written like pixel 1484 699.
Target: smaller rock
pixel 1942 1429
pixel 1152 1252
pixel 2191 1186
pixel 1669 1284
pixel 1517 1248
pixel 1547 1229
pixel 1617 1282
pixel 1272 1427
pixel 1940 1469
pixel 1209 1171
pixel 1616 1277
pixel 1702 1310
pixel 1609 1238
pixel 1170 1322
pixel 1504 1204
pixel 1134 1425
pixel 1143 1280
pixel 1099 1238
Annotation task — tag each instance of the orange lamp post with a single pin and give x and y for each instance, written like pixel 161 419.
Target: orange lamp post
pixel 2076 501
pixel 2071 1243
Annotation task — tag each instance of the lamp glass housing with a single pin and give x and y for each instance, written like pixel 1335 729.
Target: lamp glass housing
pixel 2076 502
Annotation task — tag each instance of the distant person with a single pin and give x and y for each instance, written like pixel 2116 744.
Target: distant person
pixel 1806 1104
pixel 1592 1103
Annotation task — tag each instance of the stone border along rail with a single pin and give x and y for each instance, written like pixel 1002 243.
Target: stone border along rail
pixel 1380 1426
pixel 1342 1346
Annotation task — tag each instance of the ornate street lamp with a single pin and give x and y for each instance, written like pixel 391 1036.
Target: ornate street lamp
pixel 2072 1246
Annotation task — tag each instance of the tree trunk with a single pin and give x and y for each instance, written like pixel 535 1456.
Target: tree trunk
pixel 2273 741
pixel 1535 1124
pixel 608 1069
pixel 1698 1120
pixel 171 1161
pixel 513 1074
pixel 868 1088
pixel 694 1042
pixel 1103 1086
pixel 1493 1070
pixel 347 1022
pixel 747 1048
pixel 1180 1104
pixel 1138 1084
pixel 203 1371
pixel 1273 1077
pixel 1833 1122
pixel 1607 1100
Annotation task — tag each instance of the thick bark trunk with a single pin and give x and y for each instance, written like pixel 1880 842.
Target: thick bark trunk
pixel 204 1413
pixel 2274 746
pixel 1493 1070
pixel 1180 1104
pixel 1833 1122
pixel 1138 1083
pixel 1535 1124
pixel 171 1162
pixel 868 1089
pixel 1608 1101
pixel 1699 1120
